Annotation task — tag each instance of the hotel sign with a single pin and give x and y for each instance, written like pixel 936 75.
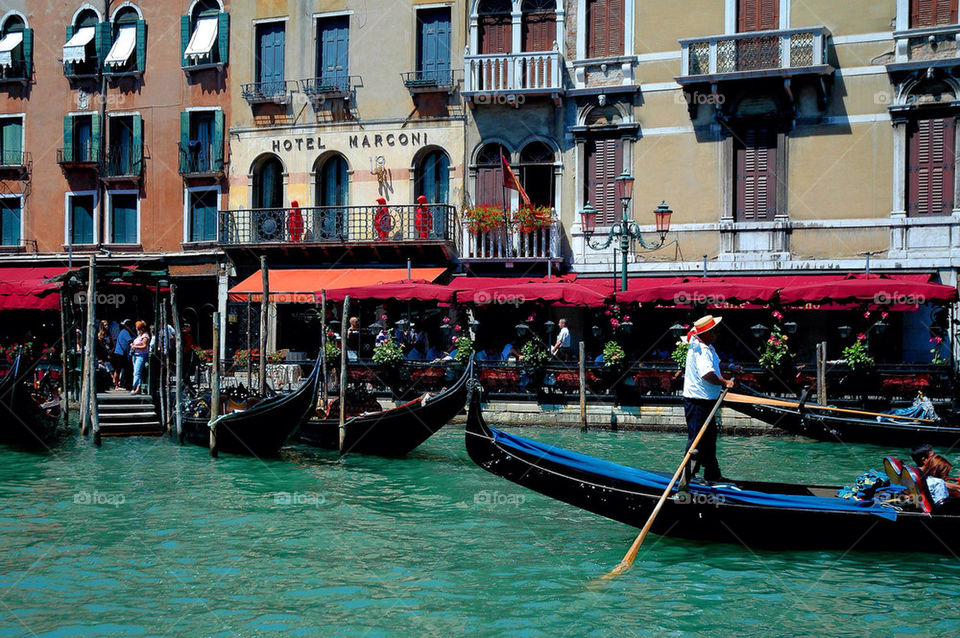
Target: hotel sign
pixel 366 140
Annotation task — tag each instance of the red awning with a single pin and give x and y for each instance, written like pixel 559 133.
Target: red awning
pixel 511 291
pixel 297 285
pixel 877 290
pixel 397 291
pixel 25 288
pixel 687 291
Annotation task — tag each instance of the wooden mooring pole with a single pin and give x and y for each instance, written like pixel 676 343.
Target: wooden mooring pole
pixel 249 352
pixel 822 373
pixel 264 304
pixel 92 409
pixel 323 348
pixel 163 338
pixel 344 322
pixel 64 354
pixel 215 386
pixel 583 388
pixel 178 382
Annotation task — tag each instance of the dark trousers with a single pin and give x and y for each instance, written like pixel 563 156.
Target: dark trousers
pixel 696 412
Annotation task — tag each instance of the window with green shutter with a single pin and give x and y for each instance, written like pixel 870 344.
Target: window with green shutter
pixel 123 218
pixel 81 209
pixel 11 217
pixel 204 36
pixel 11 141
pixel 203 215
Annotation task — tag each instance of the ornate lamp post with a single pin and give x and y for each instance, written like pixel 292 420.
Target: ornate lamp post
pixel 626 228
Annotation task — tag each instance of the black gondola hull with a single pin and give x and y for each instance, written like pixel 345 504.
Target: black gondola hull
pixel 22 420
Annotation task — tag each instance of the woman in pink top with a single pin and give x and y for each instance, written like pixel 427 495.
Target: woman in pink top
pixel 139 350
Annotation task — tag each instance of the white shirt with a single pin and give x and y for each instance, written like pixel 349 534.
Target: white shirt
pixel 564 337
pixel 701 359
pixel 938 489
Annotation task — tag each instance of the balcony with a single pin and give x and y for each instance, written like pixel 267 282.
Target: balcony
pixel 197 162
pixel 13 161
pixel 270 92
pixel 329 87
pixel 925 48
pixel 79 156
pixel 509 78
pixel 509 244
pixel 122 165
pixel 375 227
pixel 432 81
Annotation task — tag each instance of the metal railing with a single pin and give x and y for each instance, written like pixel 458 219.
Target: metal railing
pixel 123 163
pixel 537 72
pixel 509 243
pixel 12 159
pixel 338 225
pixel 196 160
pixel 329 84
pixel 428 79
pixel 276 91
pixel 79 154
pixel 754 51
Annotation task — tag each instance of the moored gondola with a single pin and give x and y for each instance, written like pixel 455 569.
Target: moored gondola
pixel 394 432
pixel 25 420
pixel 260 429
pixel 826 423
pixel 758 515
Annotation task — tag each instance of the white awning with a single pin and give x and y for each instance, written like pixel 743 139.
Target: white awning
pixel 7 45
pixel 75 50
pixel 123 46
pixel 201 42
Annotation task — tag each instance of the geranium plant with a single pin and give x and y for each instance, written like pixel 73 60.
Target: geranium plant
pixel 679 354
pixel 387 353
pixel 775 352
pixel 857 355
pixel 203 355
pixel 613 355
pixel 534 355
pixel 332 351
pixel 464 349
pixel 936 360
pixel 483 218
pixel 531 218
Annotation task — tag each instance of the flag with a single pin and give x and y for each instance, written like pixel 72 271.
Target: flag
pixel 510 180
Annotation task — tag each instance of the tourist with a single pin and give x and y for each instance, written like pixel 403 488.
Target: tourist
pixel 353 339
pixel 702 382
pixel 921 453
pixel 433 354
pixel 121 350
pixel 383 336
pixel 561 349
pixel 416 352
pixel 104 350
pixel 935 470
pixel 509 352
pixel 490 353
pixel 139 352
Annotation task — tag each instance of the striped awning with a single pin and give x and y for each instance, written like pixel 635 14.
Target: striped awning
pixel 123 47
pixel 201 42
pixel 75 50
pixel 7 45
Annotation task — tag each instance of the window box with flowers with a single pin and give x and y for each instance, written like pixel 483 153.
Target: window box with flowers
pixel 532 218
pixel 484 218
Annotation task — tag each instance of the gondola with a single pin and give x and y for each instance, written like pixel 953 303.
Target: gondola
pixel 808 419
pixel 262 428
pixel 777 516
pixel 394 432
pixel 24 420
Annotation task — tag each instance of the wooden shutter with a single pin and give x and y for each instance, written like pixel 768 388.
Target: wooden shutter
pixel 604 162
pixel 185 33
pixel 605 28
pixel 219 126
pixel 95 135
pixel 758 15
pixel 270 50
pixel 68 155
pixel 931 167
pixel 203 216
pixel 81 211
pixel 141 48
pixel 433 52
pixel 10 221
pixel 930 13
pixel 490 186
pixel 223 38
pixel 756 176
pixel 136 150
pixel 334 50
pixel 495 33
pixel 539 30
pixel 12 138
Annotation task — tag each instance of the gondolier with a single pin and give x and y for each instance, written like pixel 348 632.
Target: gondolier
pixel 702 383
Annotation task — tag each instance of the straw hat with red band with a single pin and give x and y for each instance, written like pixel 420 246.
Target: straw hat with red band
pixel 704 324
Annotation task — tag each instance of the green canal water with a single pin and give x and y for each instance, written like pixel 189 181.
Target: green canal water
pixel 142 538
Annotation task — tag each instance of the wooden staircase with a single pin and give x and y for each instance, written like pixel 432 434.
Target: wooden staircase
pixel 125 414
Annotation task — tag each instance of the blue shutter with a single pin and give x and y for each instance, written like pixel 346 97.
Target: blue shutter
pixel 434 53
pixel 81 139
pixel 223 38
pixel 218 129
pixel 185 33
pixel 203 216
pixel 12 148
pixel 103 41
pixel 335 193
pixel 270 49
pixel 28 53
pixel 334 63
pixel 68 154
pixel 136 141
pixel 185 165
pixel 123 221
pixel 95 134
pixel 10 221
pixel 141 49
pixel 81 210
pixel 204 124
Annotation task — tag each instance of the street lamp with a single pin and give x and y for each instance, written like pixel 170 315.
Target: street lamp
pixel 844 331
pixel 625 229
pixel 759 330
pixel 677 330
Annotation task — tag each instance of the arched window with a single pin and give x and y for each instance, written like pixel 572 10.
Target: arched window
pixel 433 177
pixel 80 55
pixel 536 173
pixel 495 26
pixel 539 24
pixel 333 195
pixel 268 183
pixel 490 175
pixel 203 34
pixel 129 42
pixel 16 48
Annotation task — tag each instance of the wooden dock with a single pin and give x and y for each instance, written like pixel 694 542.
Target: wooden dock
pixel 125 414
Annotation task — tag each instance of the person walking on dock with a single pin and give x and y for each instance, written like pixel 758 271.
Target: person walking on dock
pixel 121 350
pixel 139 351
pixel 702 383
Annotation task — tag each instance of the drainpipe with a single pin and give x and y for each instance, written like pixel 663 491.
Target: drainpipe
pixel 102 187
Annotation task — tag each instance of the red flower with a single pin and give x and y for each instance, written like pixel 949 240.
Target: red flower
pixel 883 315
pixel 626 317
pixel 866 315
pixel 456 328
pixel 777 314
pixel 861 337
pixel 446 320
pixel 614 322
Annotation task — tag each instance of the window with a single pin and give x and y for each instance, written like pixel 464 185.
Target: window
pixel 204 35
pixel 81 139
pixel 604 162
pixel 755 175
pixel 80 218
pixel 490 175
pixel 16 49
pixel 202 214
pixel 495 26
pixel 11 141
pixel 80 53
pixel 605 28
pixel 201 142
pixel 333 191
pixel 433 177
pixel 268 218
pixel 758 15
pixel 931 13
pixel 333 53
pixel 128 50
pixel 539 22
pixel 433 46
pixel 536 173
pixel 125 153
pixel 11 221
pixel 931 166
pixel 124 220
pixel 270 52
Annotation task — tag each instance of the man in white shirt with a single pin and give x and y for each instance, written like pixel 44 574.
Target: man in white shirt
pixel 702 383
pixel 561 348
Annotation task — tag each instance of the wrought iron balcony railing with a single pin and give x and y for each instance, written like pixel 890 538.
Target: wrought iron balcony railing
pixel 520 73
pixel 78 155
pixel 354 225
pixel 426 80
pixel 196 160
pixel 329 85
pixel 123 163
pixel 12 159
pixel 272 91
pixel 509 243
pixel 778 53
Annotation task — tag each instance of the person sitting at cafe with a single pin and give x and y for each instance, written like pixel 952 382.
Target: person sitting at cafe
pixel 509 351
pixel 490 353
pixel 416 352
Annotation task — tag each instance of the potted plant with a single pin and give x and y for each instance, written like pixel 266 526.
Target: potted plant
pixel 388 356
pixel 531 218
pixel 534 358
pixel 484 218
pixel 614 363
pixel 775 355
pixel 861 364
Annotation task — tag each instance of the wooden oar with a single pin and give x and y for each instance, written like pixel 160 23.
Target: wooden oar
pixel 631 555
pixel 744 398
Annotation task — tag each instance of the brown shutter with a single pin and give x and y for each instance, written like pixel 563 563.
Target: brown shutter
pixel 490 185
pixel 758 15
pixel 756 176
pixel 931 13
pixel 604 162
pixel 605 30
pixel 596 36
pixel 495 34
pixel 539 30
pixel 614 28
pixel 930 167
